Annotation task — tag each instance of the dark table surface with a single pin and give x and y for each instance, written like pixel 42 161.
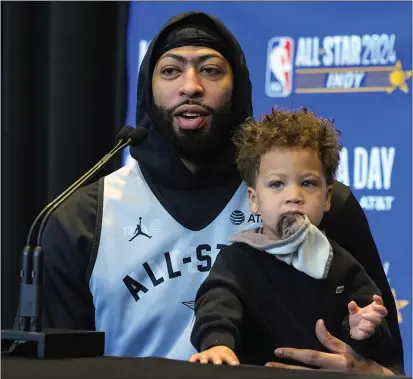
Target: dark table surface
pixel 150 368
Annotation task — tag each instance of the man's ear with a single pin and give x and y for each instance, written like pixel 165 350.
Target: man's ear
pixel 253 200
pixel 327 203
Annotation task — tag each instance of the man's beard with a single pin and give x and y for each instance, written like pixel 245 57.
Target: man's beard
pixel 200 145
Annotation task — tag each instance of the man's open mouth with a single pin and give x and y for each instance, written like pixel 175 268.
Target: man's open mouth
pixel 190 115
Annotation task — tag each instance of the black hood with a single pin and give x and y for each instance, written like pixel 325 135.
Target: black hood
pixel 157 156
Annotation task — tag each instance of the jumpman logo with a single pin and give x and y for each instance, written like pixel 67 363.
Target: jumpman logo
pixel 138 231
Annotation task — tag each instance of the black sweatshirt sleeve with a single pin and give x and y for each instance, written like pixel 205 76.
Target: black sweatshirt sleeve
pixel 218 308
pixel 68 244
pixel 350 229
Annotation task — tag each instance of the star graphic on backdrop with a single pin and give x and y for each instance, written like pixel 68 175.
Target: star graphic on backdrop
pixel 400 304
pixel 398 77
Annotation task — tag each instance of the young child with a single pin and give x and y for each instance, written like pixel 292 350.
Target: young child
pixel 270 286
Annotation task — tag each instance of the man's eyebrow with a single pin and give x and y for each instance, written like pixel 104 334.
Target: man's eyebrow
pixel 185 60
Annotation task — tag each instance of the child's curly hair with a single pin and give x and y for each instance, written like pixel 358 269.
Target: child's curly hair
pixel 286 129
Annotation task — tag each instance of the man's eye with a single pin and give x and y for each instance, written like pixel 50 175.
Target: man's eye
pixel 169 71
pixel 212 70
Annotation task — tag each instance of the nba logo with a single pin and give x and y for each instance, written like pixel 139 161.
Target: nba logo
pixel 279 73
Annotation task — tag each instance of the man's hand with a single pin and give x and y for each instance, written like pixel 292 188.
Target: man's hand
pixel 364 321
pixel 342 357
pixel 216 355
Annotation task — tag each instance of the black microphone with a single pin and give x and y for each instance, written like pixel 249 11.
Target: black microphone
pixel 54 342
pixel 134 137
pixel 122 136
pixel 30 276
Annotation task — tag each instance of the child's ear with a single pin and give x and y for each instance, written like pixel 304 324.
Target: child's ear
pixel 252 199
pixel 327 203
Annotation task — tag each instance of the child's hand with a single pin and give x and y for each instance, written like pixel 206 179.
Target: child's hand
pixel 217 355
pixel 363 321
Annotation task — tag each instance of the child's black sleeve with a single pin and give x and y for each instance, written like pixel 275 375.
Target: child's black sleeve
pixel 218 308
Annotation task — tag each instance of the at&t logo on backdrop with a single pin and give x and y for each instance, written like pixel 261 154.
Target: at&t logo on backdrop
pixel 369 172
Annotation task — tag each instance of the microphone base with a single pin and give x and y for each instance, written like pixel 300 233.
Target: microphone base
pixel 54 343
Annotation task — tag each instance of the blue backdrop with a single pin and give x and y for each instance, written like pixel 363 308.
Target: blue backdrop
pixel 348 61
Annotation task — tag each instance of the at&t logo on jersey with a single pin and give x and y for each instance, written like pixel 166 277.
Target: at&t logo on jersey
pixel 279 73
pixel 334 64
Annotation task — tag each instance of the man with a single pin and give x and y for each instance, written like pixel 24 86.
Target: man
pixel 127 254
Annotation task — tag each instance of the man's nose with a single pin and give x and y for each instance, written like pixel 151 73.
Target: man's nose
pixel 191 86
